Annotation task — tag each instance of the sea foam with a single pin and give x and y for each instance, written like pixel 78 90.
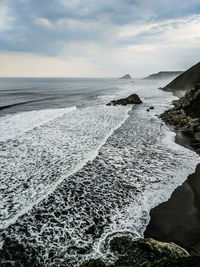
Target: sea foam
pixel 116 178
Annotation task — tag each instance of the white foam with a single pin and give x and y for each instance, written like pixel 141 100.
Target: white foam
pixel 13 125
pixel 129 172
pixel 44 156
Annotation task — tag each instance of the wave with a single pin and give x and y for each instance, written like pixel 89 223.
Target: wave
pixel 137 167
pixel 23 103
pixel 77 183
pixel 12 126
pixel 46 155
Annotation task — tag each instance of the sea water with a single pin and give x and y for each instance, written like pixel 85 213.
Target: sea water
pixel 75 172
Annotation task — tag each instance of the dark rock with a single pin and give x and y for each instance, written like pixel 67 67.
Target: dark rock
pixel 186 112
pixel 149 108
pixel 127 76
pixel 193 261
pixel 140 253
pixel 186 80
pixel 93 263
pixel 132 99
pixel 134 253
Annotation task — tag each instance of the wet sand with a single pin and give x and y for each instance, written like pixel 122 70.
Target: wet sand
pixel 178 219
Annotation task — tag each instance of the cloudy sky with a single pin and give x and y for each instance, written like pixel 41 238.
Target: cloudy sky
pixel 97 38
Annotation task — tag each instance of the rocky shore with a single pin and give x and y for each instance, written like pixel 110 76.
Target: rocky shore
pixel 176 220
pixel 141 253
pixel 186 112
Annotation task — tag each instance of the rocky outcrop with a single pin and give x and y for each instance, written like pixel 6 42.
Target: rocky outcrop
pixel 185 81
pixel 132 99
pixel 93 263
pixel 127 76
pixel 137 253
pixel 193 261
pixel 186 112
pixel 163 75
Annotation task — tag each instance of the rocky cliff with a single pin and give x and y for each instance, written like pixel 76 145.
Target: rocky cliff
pixel 186 80
pixel 186 112
pixel 163 75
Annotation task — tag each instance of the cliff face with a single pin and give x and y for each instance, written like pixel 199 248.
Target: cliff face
pixel 163 75
pixel 186 111
pixel 186 80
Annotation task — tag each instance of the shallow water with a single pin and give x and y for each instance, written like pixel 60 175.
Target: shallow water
pixel 80 176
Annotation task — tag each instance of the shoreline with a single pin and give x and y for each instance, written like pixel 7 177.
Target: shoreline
pixel 177 220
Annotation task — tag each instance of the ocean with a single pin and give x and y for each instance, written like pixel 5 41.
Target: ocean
pixel 75 172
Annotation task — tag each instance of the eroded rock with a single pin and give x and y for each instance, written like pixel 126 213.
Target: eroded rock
pixel 186 112
pixel 132 99
pixel 134 253
pixel 139 253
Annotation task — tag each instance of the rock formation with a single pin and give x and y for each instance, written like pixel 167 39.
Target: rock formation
pixel 132 99
pixel 142 252
pixel 127 76
pixel 163 75
pixel 186 111
pixel 186 80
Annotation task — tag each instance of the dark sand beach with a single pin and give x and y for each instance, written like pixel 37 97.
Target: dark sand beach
pixel 178 219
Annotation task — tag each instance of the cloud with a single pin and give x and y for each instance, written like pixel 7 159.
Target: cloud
pixel 104 32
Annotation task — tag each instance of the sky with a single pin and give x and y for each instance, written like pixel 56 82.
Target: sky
pixel 105 38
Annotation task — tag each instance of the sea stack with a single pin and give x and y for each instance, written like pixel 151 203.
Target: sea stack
pixel 186 81
pixel 127 76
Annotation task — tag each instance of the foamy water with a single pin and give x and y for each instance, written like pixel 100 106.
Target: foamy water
pixel 12 126
pixel 71 183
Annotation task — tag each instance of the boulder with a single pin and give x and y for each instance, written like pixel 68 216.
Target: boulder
pixel 93 263
pixel 132 99
pixel 141 252
pixel 135 253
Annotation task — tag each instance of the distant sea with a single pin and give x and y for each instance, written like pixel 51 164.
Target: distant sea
pixel 75 172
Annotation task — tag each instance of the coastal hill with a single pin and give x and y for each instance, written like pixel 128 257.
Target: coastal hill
pixel 127 76
pixel 186 80
pixel 163 75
